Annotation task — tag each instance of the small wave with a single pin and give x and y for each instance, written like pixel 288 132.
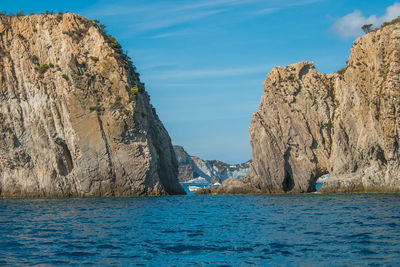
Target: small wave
pixel 107 246
pixel 77 254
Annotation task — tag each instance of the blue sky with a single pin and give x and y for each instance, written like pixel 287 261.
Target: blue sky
pixel 204 61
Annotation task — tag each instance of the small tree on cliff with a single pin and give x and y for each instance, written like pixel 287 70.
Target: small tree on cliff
pixel 366 28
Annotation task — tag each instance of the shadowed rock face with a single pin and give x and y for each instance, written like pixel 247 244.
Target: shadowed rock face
pixel 346 124
pixel 75 119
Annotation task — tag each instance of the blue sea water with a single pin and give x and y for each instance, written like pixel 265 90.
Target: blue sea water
pixel 309 229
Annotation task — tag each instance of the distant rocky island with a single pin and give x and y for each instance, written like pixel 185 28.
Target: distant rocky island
pixel 75 120
pixel 347 123
pixel 206 172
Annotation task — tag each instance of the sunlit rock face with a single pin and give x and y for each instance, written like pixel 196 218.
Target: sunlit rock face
pixel 365 151
pixel 346 124
pixel 75 119
pixel 192 169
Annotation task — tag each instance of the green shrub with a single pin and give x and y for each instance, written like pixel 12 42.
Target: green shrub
pixel 127 112
pixel 95 59
pixel 117 103
pixel 43 68
pixel 92 108
pixel 51 65
pixel 59 16
pixel 34 58
pixel 396 20
pixel 94 22
pixel 366 28
pixel 65 76
pixel 292 77
pixel 134 91
pixel 342 70
pixel 74 34
pixel 78 33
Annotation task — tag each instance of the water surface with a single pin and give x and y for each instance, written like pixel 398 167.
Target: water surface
pixel 355 229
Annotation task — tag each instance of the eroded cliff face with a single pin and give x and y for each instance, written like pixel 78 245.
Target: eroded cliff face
pixel 291 133
pixel 346 124
pixel 365 156
pixel 192 168
pixel 75 119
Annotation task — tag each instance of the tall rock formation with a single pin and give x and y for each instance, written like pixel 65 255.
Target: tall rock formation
pixel 75 119
pixel 345 123
pixel 365 152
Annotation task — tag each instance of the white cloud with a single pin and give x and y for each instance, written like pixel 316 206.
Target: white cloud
pixel 350 24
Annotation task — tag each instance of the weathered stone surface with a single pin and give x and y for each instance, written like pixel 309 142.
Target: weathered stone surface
pixel 213 171
pixel 346 124
pixel 290 134
pixel 71 123
pixel 186 166
pixel 365 153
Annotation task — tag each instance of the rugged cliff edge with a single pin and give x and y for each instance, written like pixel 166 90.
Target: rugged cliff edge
pixel 345 123
pixel 192 168
pixel 75 119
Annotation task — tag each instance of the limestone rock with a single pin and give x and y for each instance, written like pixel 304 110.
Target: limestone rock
pixel 186 166
pixel 213 171
pixel 75 119
pixel 365 151
pixel 346 124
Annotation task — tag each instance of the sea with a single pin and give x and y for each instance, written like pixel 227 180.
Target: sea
pixel 191 230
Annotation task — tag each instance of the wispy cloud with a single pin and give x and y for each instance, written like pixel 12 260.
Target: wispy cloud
pixel 264 11
pixel 171 21
pixel 211 4
pixel 207 73
pixel 350 25
pixel 116 10
pixel 169 34
pixel 283 5
pixel 146 16
pixel 157 66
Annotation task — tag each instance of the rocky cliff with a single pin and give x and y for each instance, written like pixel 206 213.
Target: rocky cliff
pixel 345 124
pixel 192 169
pixel 75 119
